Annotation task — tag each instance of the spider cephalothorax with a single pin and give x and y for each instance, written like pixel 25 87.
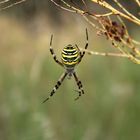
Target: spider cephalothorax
pixel 70 57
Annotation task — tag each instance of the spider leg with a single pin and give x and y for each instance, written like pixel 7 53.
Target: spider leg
pixel 86 46
pixel 53 53
pixel 59 82
pixel 79 84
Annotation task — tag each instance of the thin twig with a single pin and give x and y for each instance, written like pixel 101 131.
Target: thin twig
pixel 104 53
pixel 138 2
pixel 69 10
pixel 11 5
pixel 4 1
pixel 115 11
pixel 126 11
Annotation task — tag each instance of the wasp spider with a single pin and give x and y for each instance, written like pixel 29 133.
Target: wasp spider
pixel 70 57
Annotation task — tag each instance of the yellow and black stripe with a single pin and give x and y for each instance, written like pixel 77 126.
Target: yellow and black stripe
pixel 70 55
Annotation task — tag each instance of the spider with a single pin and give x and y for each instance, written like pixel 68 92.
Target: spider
pixel 70 57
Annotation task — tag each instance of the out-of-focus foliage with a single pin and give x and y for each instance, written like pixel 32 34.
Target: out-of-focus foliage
pixel 109 110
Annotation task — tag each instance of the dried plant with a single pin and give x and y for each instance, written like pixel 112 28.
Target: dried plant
pixel 114 29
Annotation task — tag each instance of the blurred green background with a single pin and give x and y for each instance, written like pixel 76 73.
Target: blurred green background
pixel 110 108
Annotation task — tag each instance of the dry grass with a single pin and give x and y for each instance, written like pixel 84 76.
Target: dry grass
pixel 114 30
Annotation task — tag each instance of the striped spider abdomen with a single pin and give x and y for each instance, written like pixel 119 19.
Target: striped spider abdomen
pixel 70 56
